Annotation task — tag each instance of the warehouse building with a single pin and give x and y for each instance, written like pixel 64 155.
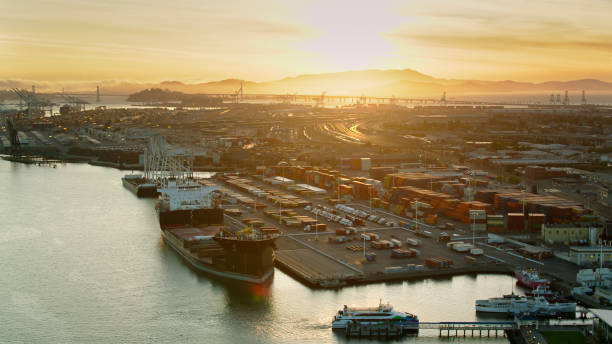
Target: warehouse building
pixel 568 234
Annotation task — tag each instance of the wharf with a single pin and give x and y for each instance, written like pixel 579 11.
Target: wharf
pixel 517 331
pixel 318 269
pixel 387 329
pixel 322 260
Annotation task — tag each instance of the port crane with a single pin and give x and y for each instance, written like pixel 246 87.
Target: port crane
pixel 74 102
pixel 13 136
pixel 32 102
pixel 321 99
pixel 163 162
pixel 238 94
pixel 443 99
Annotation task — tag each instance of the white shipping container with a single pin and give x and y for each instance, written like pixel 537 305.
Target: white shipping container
pixel 453 243
pixel 413 242
pixel 396 243
pixel 366 164
pixel 462 247
pixel 476 251
pixel 394 269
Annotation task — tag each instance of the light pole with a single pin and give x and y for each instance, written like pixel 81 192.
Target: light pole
pixel 316 226
pixel 339 178
pixel 473 228
pixel 280 203
pixel 363 237
pixel 416 215
pixel 370 199
pixel 524 202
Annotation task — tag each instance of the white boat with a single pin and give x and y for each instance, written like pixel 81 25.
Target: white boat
pixel 530 278
pixel 374 315
pixel 541 290
pixel 514 304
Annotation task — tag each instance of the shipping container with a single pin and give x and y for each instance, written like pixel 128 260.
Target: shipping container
pixel 399 253
pixel 370 256
pixel 413 242
pixel 476 251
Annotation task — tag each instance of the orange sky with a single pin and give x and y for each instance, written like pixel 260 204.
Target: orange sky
pixel 195 40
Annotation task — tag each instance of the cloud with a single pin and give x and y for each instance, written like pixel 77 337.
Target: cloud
pixel 509 43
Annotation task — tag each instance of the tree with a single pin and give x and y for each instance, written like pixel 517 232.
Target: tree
pixel 512 179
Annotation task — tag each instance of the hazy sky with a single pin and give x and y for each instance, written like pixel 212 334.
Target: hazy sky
pixel 199 40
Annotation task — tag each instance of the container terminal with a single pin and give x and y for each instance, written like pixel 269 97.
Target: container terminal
pixel 366 193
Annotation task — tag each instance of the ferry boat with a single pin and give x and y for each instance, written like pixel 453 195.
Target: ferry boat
pixel 373 315
pixel 530 278
pixel 192 224
pixel 515 305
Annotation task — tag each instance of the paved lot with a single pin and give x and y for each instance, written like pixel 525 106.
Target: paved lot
pixel 298 252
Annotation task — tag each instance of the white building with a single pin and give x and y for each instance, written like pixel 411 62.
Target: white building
pixel 590 255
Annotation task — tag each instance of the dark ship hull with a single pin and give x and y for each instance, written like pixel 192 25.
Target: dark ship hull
pixel 196 235
pixel 196 217
pixel 140 187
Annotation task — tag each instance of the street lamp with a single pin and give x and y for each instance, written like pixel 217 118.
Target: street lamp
pixel 416 214
pixel 280 203
pixel 370 188
pixel 363 237
pixel 317 226
pixel 524 202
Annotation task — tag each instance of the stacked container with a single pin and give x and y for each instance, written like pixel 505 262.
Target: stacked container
pixel 478 220
pixel 515 222
pixel 535 222
pixel 495 223
pixel 438 262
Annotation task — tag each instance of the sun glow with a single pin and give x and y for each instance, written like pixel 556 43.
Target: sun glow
pixel 350 37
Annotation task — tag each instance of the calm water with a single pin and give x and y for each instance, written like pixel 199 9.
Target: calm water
pixel 82 262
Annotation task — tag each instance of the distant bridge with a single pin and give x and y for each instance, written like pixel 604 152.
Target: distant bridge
pixel 320 99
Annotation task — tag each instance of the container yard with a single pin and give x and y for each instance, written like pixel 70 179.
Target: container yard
pixel 329 244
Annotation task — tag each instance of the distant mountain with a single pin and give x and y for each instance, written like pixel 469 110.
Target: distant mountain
pixel 400 83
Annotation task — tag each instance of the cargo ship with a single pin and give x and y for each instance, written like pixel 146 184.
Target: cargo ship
pixel 381 314
pixel 192 224
pixel 530 278
pixel 139 186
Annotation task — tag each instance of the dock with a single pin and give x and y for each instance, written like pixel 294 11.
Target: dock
pixel 326 259
pixel 511 329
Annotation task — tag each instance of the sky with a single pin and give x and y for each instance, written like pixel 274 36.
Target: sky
pixel 201 40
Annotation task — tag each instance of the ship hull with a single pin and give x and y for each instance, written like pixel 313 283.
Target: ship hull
pixel 531 284
pixel 211 269
pixel 142 190
pixel 194 217
pixel 407 326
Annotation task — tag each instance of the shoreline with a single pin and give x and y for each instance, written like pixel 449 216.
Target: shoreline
pixel 375 278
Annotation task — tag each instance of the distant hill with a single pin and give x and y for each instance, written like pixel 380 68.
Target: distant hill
pixel 400 83
pixel 159 96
